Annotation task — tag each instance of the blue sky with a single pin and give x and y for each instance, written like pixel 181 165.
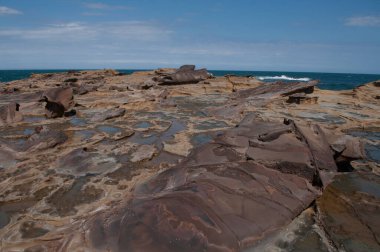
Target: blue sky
pixel 284 35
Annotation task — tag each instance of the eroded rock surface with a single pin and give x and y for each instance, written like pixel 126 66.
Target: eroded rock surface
pixel 207 165
pixel 184 75
pixel 10 113
pixel 349 210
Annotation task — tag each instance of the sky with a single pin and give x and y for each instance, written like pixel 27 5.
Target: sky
pixel 283 35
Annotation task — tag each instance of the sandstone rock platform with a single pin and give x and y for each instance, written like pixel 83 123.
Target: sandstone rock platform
pixel 179 160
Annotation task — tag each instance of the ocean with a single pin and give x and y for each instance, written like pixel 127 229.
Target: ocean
pixel 331 81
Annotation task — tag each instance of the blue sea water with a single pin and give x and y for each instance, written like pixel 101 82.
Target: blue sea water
pixel 331 81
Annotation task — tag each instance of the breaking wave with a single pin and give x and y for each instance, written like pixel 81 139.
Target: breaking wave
pixel 282 77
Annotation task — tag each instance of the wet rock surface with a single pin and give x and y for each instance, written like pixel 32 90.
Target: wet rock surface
pixel 176 160
pixel 349 212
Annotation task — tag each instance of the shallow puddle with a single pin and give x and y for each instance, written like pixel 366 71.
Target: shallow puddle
pixel 201 139
pixel 78 122
pixel 141 138
pixel 84 134
pixel 370 135
pixel 322 117
pixel 158 138
pixel 153 115
pixel 109 129
pixel 34 119
pixel 373 152
pixel 209 125
pixel 143 125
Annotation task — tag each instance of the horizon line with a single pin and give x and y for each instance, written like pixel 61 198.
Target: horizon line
pixel 151 69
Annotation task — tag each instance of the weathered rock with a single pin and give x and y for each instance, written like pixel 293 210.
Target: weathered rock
pixel 205 208
pixel 81 90
pixel 109 114
pixel 8 157
pixel 43 138
pixel 184 75
pixel 143 152
pixel 63 96
pixel 82 162
pixel 200 190
pixel 300 98
pixel 10 113
pixel 270 90
pixel 349 211
pixel 58 100
pixel 53 109
pixel 215 199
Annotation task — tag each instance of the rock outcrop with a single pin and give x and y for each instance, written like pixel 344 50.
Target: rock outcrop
pixel 184 75
pixel 223 164
pixel 58 100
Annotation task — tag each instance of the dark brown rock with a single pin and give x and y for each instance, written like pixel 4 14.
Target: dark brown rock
pixel 53 109
pixel 269 90
pixel 58 100
pixel 216 199
pixel 184 75
pixel 301 98
pixel 63 96
pixel 205 208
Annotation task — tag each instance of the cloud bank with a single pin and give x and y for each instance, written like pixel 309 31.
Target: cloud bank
pixel 9 11
pixel 103 6
pixel 363 21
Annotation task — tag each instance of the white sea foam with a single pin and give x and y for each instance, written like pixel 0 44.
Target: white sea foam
pixel 282 77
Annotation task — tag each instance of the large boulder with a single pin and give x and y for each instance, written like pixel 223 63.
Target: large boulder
pixel 61 95
pixel 58 100
pixel 184 75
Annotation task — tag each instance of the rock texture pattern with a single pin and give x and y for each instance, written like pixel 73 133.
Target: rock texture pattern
pixel 179 160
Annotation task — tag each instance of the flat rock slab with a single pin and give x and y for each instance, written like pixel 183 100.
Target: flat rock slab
pixel 109 114
pixel 349 210
pixel 81 162
pixel 144 152
pixel 217 199
pixel 269 90
pixel 207 208
pixel 69 184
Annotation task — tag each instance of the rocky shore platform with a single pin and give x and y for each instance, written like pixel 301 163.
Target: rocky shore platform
pixel 179 160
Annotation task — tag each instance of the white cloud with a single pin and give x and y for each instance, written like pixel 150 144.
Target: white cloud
pixel 142 44
pixel 50 31
pixel 102 6
pixel 363 21
pixel 9 11
pixel 128 30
